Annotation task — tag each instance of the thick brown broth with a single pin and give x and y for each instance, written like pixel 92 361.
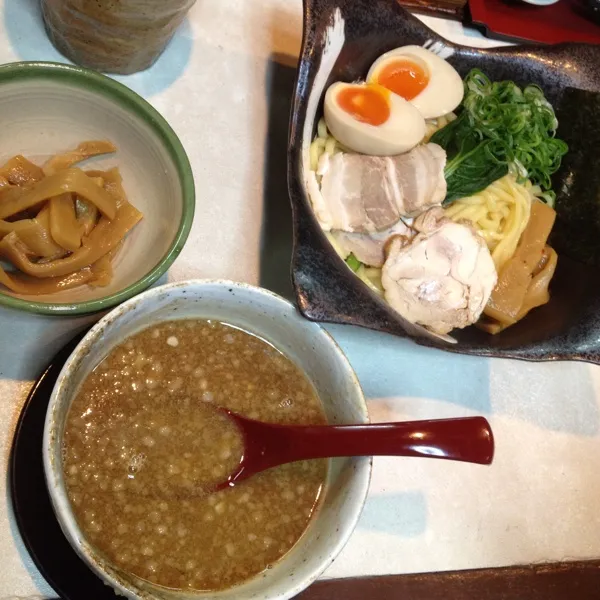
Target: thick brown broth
pixel 142 431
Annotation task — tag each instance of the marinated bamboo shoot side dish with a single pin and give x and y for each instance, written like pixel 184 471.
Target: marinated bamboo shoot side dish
pixel 61 226
pixel 436 191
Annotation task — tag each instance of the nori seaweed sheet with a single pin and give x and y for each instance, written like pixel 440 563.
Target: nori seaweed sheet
pixel 577 182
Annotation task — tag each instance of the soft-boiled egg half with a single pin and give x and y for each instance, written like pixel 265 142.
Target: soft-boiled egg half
pixel 369 119
pixel 418 75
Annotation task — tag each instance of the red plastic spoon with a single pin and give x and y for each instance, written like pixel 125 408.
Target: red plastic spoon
pixel 267 445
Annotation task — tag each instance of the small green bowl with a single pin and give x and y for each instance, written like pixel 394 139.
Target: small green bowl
pixel 47 108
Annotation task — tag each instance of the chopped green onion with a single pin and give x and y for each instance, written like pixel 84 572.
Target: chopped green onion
pixel 500 129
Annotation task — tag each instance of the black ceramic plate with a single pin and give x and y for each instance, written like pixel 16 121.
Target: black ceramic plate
pixel 41 533
pixel 568 327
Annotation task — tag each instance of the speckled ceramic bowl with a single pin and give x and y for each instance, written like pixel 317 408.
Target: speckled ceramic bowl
pixel 46 108
pixel 341 40
pixel 308 345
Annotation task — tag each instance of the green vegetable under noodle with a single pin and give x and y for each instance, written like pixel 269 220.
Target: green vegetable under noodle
pixel 500 129
pixel 353 262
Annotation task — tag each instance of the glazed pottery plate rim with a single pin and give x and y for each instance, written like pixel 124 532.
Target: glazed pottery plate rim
pixel 131 102
pixel 361 472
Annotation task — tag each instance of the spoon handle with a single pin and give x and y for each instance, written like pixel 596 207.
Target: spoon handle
pixel 467 439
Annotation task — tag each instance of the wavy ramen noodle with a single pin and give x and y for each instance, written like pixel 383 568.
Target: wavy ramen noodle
pixel 500 214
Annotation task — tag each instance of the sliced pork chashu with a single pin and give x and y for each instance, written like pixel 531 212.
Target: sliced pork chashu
pixel 367 194
pixel 369 248
pixel 442 278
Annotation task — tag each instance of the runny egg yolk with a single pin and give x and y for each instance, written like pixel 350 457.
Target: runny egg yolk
pixel 366 103
pixel 403 77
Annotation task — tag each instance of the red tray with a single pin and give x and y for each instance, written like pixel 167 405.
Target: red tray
pixel 564 21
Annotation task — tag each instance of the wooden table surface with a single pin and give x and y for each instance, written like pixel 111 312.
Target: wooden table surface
pixel 556 581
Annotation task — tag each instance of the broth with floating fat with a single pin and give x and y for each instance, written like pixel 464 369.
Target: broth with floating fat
pixel 138 434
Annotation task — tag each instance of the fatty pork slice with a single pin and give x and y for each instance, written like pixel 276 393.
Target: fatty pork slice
pixel 365 194
pixel 443 278
pixel 369 248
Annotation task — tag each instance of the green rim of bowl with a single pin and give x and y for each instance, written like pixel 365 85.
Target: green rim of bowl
pixel 133 103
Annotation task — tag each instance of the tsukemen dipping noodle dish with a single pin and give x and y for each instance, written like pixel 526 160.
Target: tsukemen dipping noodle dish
pixel 436 191
pixel 144 445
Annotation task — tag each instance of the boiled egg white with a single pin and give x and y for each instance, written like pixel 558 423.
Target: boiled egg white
pixel 371 120
pixel 427 81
